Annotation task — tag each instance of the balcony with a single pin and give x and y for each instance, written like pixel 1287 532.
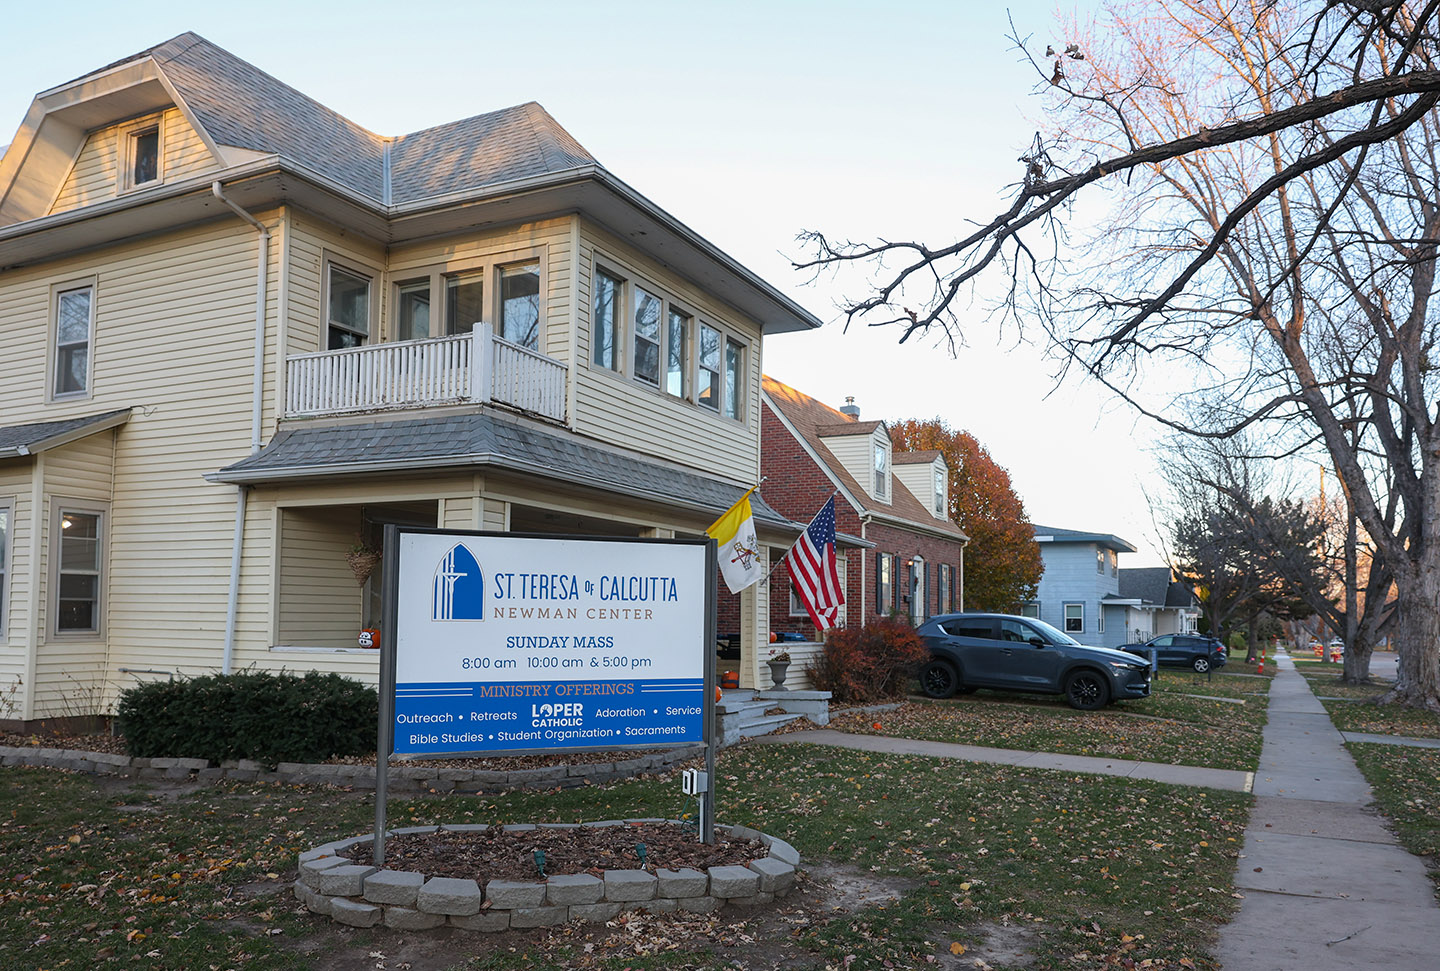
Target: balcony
pixel 469 368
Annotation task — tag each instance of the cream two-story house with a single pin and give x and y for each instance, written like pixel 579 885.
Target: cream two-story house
pixel 242 333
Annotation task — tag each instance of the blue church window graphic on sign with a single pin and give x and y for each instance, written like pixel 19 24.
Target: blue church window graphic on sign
pixel 459 591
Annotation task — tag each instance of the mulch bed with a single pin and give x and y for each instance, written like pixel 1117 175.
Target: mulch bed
pixel 498 854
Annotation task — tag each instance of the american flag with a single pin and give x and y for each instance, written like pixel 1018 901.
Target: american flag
pixel 813 570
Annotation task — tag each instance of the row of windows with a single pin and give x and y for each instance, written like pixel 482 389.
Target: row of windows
pixel 435 304
pixel 669 349
pixel 888 583
pixel 78 562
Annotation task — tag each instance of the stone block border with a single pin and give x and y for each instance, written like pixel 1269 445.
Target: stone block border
pixel 413 777
pixel 362 896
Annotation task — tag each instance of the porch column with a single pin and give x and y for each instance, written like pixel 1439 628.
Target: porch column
pixel 755 629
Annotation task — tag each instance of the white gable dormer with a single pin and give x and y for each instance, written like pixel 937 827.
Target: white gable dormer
pixel 863 449
pixel 927 477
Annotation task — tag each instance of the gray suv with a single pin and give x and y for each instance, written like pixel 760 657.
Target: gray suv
pixel 969 651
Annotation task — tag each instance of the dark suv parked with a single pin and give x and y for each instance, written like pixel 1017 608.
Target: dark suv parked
pixel 969 651
pixel 1182 651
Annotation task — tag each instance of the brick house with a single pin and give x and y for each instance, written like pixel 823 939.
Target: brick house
pixel 899 550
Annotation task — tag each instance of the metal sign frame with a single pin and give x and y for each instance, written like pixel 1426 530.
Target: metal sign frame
pixel 389 627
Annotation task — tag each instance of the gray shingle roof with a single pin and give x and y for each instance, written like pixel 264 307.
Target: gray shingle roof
pixel 483 439
pixel 241 105
pixel 1154 585
pixel 1108 540
pixel 23 439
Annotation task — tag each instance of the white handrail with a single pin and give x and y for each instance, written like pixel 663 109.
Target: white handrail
pixel 476 367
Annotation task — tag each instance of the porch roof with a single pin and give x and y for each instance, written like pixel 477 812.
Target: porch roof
pixel 17 440
pixel 469 440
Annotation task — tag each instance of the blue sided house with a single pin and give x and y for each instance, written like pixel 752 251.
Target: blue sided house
pixel 1085 593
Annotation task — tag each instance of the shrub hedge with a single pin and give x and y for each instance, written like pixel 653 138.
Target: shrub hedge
pixel 859 665
pixel 251 715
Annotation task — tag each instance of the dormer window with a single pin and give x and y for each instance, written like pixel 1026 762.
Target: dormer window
pixel 882 471
pixel 141 154
pixel 146 167
pixel 940 493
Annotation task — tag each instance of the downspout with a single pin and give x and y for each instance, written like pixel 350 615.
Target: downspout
pixel 262 284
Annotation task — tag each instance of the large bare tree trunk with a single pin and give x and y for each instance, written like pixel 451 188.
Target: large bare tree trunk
pixel 1416 635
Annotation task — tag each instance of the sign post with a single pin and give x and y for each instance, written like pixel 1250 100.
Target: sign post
pixel 501 643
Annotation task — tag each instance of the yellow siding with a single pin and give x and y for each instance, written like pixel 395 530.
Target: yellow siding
pixel 309 240
pixel 15 493
pixel 319 598
pixel 95 175
pixel 173 339
pixel 70 670
pixel 613 407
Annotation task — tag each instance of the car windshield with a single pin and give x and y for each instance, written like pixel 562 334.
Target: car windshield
pixel 1052 634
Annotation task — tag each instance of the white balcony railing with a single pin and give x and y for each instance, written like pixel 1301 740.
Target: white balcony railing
pixel 476 367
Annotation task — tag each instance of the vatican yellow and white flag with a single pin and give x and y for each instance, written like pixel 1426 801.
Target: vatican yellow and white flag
pixel 737 547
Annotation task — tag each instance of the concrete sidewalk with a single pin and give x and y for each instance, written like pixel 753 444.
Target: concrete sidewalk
pixel 1326 886
pixel 1185 775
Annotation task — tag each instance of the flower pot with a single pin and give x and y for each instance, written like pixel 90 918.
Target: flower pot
pixel 362 564
pixel 777 674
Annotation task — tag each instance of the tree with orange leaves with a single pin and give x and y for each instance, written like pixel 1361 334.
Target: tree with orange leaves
pixel 1002 562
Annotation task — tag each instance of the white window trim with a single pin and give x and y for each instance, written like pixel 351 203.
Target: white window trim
pixel 624 339
pixel 7 506
pixel 1100 619
pixel 355 268
pixel 880 478
pixel 52 357
pixel 1035 604
pixel 88 507
pixel 1065 617
pixel 125 152
pixel 941 504
pixel 797 609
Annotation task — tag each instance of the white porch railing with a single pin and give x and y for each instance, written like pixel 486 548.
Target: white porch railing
pixel 476 367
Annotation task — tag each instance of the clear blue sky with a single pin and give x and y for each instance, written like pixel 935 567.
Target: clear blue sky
pixel 749 122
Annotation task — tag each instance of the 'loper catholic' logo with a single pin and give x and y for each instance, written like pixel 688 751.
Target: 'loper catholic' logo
pixel 459 589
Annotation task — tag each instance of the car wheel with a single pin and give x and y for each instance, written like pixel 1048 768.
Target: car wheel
pixel 938 679
pixel 1086 690
pixel 1201 664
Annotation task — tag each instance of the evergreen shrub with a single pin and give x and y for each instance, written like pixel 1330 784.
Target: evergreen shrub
pixel 256 715
pixel 872 663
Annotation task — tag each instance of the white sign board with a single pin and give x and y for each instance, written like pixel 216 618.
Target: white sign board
pixel 507 643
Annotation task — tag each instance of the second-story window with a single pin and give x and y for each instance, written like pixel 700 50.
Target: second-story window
pixel 412 310
pixel 464 302
pixel 74 322
pixel 520 305
pixel 882 470
pixel 707 374
pixel 1099 561
pixel 677 340
pixel 940 496
pixel 348 308
pixel 605 321
pixel 734 371
pixel 647 336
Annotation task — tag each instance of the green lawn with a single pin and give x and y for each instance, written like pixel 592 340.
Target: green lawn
pixel 1407 788
pixel 1363 716
pixel 1170 726
pixel 1078 872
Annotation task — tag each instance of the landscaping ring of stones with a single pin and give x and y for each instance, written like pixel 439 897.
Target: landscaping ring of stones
pixel 332 884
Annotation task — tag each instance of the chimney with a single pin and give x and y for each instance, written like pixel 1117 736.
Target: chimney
pixel 851 410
